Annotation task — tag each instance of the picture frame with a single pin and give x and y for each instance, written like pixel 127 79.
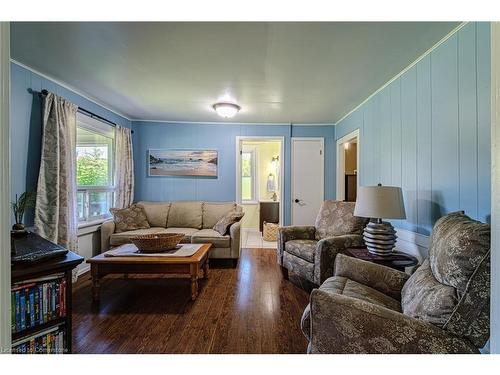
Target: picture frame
pixel 183 163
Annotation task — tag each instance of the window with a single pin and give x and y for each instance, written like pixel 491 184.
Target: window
pixel 94 168
pixel 248 175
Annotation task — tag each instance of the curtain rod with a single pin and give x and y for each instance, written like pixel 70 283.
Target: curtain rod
pixel 84 111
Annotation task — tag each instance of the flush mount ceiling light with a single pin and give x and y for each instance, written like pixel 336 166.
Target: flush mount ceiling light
pixel 226 110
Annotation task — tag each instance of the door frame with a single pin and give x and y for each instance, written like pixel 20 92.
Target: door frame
pixel 5 329
pixel 322 184
pixel 255 138
pixel 340 194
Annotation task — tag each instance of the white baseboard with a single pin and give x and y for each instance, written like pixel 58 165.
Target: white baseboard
pixel 412 243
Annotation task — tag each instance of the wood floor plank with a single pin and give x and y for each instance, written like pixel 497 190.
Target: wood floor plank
pixel 197 332
pixel 247 309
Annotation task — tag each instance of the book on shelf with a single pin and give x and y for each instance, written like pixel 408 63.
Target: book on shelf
pixel 38 301
pixel 49 341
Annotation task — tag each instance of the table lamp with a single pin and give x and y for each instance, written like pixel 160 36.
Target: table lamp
pixel 377 203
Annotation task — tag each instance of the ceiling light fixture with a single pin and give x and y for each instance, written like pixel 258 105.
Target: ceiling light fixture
pixel 226 110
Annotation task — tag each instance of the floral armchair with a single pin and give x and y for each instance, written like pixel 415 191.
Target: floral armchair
pixel 442 308
pixel 309 251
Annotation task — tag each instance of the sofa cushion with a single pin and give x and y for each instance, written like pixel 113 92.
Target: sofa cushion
pixel 211 236
pixel 118 239
pixel 303 249
pixel 353 289
pixel 187 232
pixel 423 297
pixel 457 246
pixel 336 218
pixel 213 212
pixel 130 218
pixel 225 222
pixel 185 215
pixel 156 212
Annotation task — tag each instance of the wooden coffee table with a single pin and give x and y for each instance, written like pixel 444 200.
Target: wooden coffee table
pixel 188 267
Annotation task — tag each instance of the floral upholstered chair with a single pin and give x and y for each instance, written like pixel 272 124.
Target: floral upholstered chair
pixel 443 307
pixel 309 251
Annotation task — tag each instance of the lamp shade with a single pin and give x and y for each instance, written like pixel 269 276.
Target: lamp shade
pixel 384 202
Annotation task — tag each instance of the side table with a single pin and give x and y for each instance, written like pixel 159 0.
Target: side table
pixel 397 260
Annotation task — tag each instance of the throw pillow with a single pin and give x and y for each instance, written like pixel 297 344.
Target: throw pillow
pixel 130 218
pixel 222 226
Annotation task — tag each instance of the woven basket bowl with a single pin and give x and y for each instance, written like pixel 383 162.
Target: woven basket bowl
pixel 156 243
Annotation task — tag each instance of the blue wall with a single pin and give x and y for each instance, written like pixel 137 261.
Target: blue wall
pixel 429 132
pixel 26 125
pixel 222 137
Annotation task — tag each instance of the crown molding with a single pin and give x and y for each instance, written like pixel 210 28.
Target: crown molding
pixel 70 88
pixel 169 122
pixel 441 41
pixel 314 124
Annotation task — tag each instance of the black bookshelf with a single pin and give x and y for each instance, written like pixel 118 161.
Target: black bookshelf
pixel 63 265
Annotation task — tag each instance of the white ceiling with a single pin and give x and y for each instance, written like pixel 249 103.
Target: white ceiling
pixel 277 72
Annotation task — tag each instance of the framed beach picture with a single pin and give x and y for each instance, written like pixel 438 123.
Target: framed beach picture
pixel 194 163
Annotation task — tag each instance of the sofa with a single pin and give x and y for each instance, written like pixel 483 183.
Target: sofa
pixel 194 219
pixel 443 307
pixel 310 251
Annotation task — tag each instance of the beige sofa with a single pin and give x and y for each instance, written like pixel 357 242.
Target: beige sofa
pixel 194 219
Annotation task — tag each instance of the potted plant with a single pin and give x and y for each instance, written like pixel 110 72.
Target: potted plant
pixel 19 207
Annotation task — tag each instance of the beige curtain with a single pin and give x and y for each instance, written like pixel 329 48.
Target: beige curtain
pixel 55 211
pixel 124 171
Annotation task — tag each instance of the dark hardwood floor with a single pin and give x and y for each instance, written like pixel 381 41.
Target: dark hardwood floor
pixel 248 309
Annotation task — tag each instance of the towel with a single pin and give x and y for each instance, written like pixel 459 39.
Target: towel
pixel 130 250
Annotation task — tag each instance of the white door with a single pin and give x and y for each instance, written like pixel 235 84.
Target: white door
pixel 307 179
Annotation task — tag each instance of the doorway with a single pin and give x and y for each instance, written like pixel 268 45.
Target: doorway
pixel 307 179
pixel 348 167
pixel 259 189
